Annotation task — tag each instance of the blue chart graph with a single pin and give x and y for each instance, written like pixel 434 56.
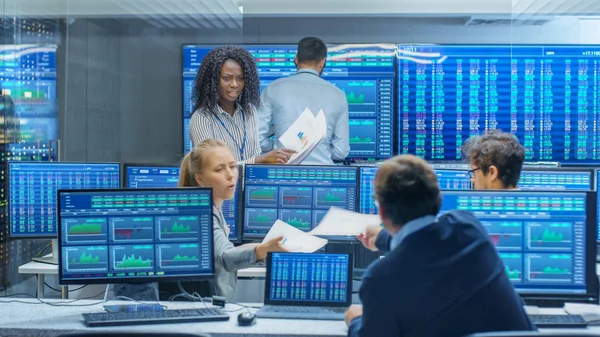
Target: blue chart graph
pixel 361 96
pixel 261 196
pixel 550 235
pixel 295 197
pixel 260 220
pixel 326 197
pixel 178 256
pixel 86 259
pixel 505 235
pixel 131 229
pixel 513 263
pixel 363 135
pixel 550 267
pixel 178 228
pixel 85 230
pixel 318 216
pixel 299 218
pixel 132 258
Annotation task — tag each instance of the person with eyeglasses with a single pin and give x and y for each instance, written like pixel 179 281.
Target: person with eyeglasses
pixel 442 276
pixel 496 160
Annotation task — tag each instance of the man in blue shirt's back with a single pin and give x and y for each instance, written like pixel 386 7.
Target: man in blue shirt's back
pixel 284 100
pixel 442 277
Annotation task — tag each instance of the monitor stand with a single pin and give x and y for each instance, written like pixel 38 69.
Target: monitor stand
pixel 125 294
pixel 52 259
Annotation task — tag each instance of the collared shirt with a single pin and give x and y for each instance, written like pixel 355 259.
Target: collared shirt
pixel 204 124
pixel 411 227
pixel 284 100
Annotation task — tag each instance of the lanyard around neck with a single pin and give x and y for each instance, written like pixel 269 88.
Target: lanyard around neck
pixel 243 146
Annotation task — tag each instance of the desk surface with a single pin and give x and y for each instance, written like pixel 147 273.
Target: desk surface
pixel 45 320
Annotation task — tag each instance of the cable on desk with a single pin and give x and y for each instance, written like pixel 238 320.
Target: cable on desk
pixel 60 291
pixel 43 249
pixel 57 304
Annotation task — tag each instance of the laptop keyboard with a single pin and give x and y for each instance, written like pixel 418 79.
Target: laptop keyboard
pixel 301 312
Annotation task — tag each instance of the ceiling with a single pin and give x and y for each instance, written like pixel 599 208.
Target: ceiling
pixel 230 8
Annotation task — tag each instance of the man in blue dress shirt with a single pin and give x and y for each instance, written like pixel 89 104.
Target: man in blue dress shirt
pixel 284 100
pixel 442 276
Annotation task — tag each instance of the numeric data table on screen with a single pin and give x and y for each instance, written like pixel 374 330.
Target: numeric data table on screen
pixel 309 277
pixel 556 180
pixel 298 195
pixel 545 95
pixel 33 186
pixel 129 233
pixel 540 236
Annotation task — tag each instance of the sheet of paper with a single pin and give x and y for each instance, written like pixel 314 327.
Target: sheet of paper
pixel 590 312
pixel 294 239
pixel 304 134
pixel 342 222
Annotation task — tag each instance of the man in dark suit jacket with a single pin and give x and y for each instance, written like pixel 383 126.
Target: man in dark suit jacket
pixel 442 277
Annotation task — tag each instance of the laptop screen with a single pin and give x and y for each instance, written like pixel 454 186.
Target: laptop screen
pixel 309 279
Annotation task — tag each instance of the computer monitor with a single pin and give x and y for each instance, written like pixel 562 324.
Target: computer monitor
pixel 135 235
pixel 557 179
pixel 547 240
pixel 540 93
pixel 298 195
pixel 447 180
pixel 167 176
pixel 32 190
pixel 365 72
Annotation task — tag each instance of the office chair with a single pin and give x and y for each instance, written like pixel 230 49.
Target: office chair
pixel 132 334
pixel 532 334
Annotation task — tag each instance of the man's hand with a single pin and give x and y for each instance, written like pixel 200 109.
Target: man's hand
pixel 355 310
pixel 369 237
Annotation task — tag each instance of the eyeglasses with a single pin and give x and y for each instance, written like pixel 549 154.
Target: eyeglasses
pixel 472 172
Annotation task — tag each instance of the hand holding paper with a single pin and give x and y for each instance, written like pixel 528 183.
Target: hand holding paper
pixel 342 222
pixel 304 135
pixel 294 240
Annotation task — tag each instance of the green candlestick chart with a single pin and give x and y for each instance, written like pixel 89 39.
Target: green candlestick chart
pixel 512 274
pixel 549 236
pixel 184 258
pixel 84 258
pixel 177 228
pixel 298 223
pixel 86 228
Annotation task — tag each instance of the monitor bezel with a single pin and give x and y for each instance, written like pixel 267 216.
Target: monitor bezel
pixel 562 169
pixel 267 287
pixel 591 293
pixel 131 279
pixel 11 235
pixel 239 208
pixel 253 237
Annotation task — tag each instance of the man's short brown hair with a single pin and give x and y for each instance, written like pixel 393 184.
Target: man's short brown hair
pixel 407 188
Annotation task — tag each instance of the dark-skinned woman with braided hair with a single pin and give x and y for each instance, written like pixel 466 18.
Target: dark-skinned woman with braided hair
pixel 226 96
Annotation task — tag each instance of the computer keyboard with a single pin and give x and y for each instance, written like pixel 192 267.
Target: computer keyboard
pixel 558 321
pixel 300 312
pixel 154 317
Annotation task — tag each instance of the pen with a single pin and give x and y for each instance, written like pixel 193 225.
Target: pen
pixel 283 241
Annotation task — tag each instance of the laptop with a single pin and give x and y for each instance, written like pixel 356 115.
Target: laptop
pixel 307 286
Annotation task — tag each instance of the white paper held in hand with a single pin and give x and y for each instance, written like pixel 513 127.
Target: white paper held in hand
pixel 342 222
pixel 294 239
pixel 304 135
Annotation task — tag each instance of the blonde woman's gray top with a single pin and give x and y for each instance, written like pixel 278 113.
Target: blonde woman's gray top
pixel 228 259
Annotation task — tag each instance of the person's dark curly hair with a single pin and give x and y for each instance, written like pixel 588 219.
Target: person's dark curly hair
pixel 205 94
pixel 499 149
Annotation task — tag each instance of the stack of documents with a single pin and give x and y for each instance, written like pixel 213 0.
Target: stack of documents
pixel 342 222
pixel 295 240
pixel 304 135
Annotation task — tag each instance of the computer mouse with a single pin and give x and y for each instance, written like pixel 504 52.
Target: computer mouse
pixel 246 319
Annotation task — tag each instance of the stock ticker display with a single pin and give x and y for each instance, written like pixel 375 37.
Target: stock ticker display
pixel 364 72
pixel 545 95
pixel 168 176
pixel 309 277
pixel 127 233
pixel 556 180
pixel 540 236
pixel 298 195
pixel 32 192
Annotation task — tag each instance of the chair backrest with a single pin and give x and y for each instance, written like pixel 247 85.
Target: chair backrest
pixel 533 334
pixel 132 334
